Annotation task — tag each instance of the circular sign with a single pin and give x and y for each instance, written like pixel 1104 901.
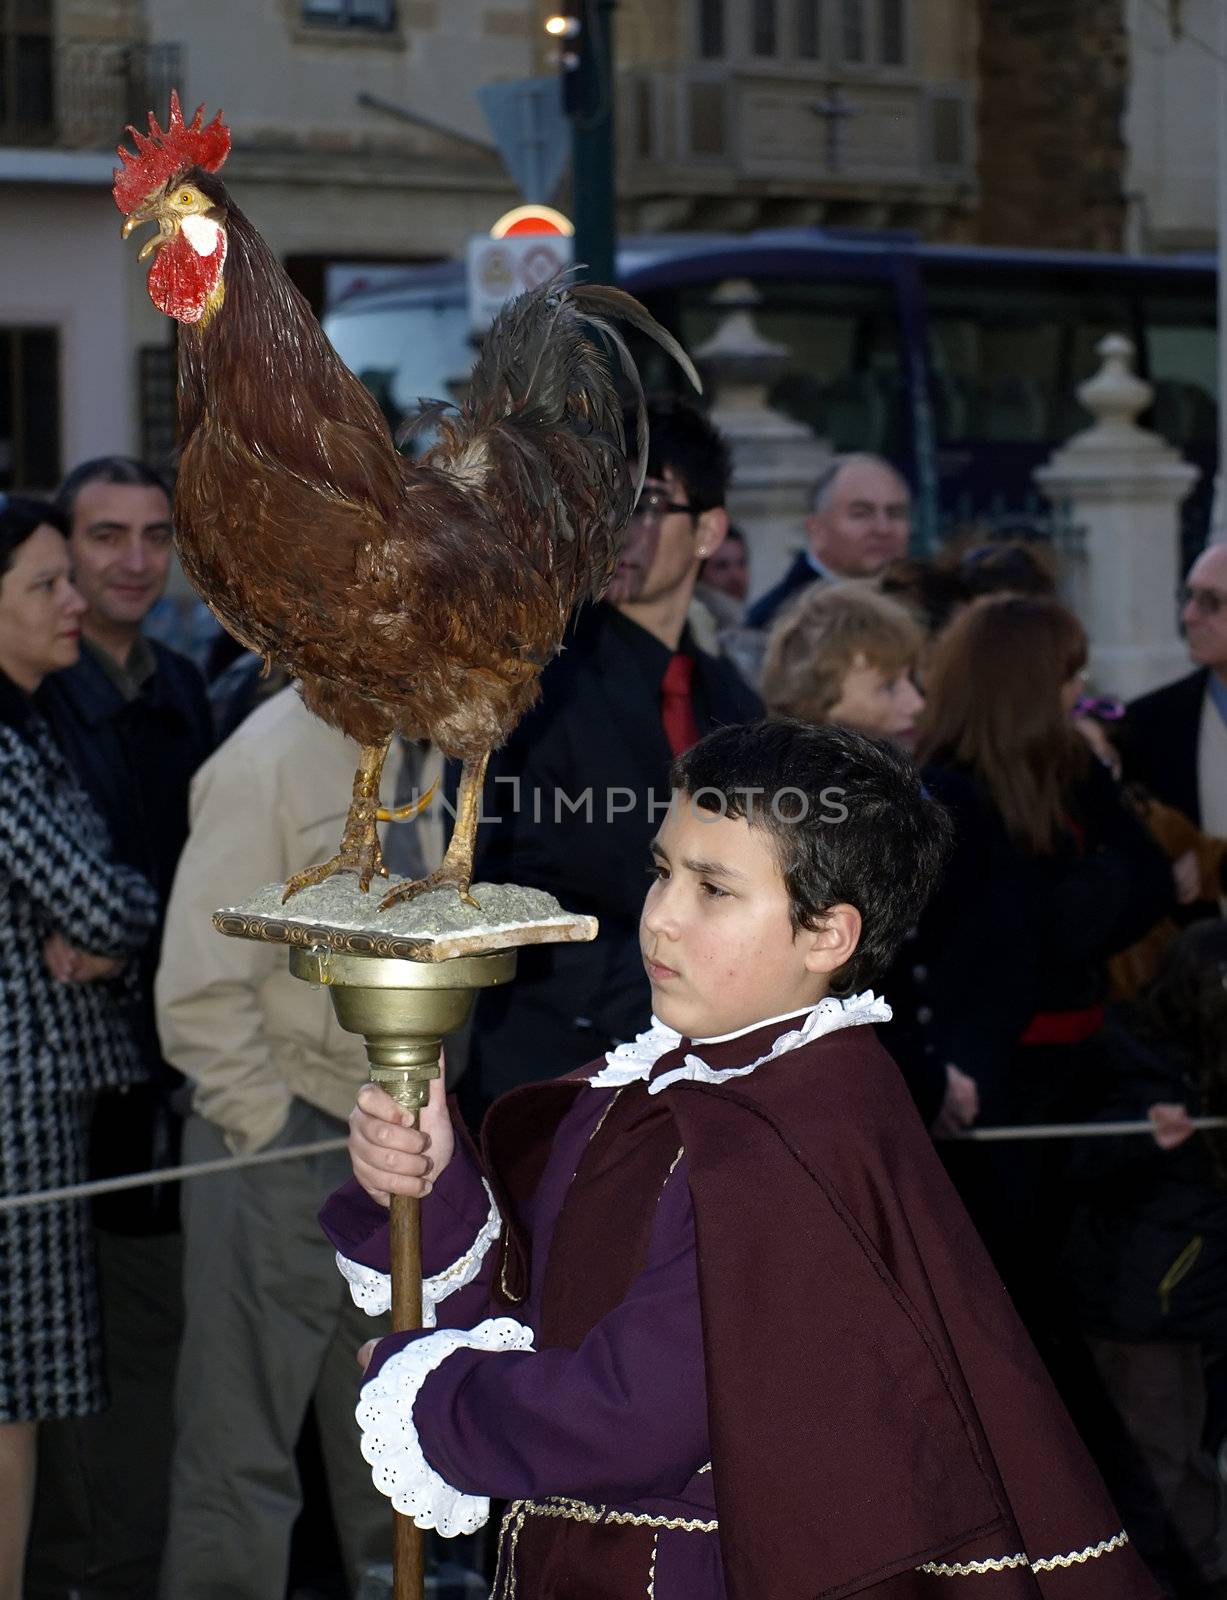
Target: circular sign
pixel 532 219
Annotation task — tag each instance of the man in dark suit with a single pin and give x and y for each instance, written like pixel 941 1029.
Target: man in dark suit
pixel 1175 738
pixel 859 524
pixel 581 788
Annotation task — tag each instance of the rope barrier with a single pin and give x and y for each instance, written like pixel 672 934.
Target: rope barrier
pixel 138 1180
pixel 1078 1130
pixel 205 1169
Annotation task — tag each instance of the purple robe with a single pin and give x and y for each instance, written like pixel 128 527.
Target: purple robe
pixel 790 1369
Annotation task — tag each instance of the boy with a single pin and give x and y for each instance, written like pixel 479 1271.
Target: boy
pixel 736 1336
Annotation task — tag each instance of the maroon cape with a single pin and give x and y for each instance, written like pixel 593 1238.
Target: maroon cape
pixel 874 1402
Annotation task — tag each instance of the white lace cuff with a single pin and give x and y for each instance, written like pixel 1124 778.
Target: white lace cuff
pixel 389 1437
pixel 372 1290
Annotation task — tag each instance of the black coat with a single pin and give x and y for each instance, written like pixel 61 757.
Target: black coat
pixel 136 759
pixel 594 743
pixel 1159 742
pixel 1008 934
pixel 768 606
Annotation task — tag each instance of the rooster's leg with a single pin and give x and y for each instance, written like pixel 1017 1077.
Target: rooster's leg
pixel 359 850
pixel 456 868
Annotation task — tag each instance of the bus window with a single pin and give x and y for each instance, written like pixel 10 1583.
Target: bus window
pixel 405 336
pixel 1181 361
pixel 844 374
pixel 1005 360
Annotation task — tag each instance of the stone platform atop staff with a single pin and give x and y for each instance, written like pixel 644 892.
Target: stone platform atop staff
pixel 437 926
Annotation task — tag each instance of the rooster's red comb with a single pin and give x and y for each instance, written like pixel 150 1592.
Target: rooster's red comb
pixel 161 153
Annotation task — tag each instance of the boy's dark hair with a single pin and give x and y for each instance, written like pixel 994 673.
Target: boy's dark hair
pixel 681 438
pixel 125 470
pixel 868 834
pixel 20 516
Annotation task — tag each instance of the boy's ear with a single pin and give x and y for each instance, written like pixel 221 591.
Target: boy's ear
pixel 709 529
pixel 834 941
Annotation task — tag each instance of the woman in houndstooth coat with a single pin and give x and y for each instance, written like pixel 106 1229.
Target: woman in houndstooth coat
pixel 69 922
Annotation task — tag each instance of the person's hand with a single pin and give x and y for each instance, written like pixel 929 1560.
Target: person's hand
pixel 961 1106
pixel 70 965
pixel 1186 875
pixel 366 1352
pixel 1171 1123
pixel 388 1154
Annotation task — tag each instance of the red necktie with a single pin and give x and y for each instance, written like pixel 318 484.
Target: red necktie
pixel 677 704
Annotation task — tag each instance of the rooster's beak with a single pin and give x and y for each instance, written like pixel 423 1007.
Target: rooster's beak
pixel 149 213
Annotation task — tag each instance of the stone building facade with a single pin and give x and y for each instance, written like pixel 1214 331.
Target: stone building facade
pixel 358 138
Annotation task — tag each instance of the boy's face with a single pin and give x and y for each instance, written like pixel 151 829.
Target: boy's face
pixel 717 942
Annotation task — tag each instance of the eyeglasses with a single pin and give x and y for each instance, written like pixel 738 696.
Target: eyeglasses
pixel 1102 707
pixel 654 504
pixel 1208 601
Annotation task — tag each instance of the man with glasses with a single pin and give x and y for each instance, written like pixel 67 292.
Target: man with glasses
pixel 1176 737
pixel 581 787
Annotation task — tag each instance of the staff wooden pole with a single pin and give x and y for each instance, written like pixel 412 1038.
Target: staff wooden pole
pixel 405 1223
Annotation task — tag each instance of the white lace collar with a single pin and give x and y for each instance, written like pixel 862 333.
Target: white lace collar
pixel 632 1062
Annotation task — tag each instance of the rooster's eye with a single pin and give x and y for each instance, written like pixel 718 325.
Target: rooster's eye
pixel 186 197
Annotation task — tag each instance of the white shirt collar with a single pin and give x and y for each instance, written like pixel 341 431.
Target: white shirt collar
pixel 633 1062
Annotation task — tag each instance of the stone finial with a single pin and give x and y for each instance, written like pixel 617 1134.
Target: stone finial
pixel 1115 396
pixel 737 352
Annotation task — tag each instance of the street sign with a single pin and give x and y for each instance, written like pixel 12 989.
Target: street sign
pixel 500 269
pixel 531 219
pixel 531 131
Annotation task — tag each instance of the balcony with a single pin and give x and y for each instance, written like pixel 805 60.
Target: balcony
pixel 77 95
pixel 718 129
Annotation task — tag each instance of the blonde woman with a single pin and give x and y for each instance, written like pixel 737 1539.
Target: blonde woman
pixel 845 653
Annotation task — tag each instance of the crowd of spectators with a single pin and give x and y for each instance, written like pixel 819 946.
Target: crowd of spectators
pixel 1070 969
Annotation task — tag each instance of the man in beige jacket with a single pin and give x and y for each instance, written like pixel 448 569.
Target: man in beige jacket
pixel 270 1327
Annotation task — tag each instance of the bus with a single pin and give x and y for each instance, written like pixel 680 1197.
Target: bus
pixel 957 362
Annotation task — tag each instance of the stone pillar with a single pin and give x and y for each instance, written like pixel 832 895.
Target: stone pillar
pixel 1121 487
pixel 776 461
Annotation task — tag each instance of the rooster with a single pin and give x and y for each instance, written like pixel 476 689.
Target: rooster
pixel 421 597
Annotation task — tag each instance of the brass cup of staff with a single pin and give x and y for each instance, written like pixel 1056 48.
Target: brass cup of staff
pixel 402 1009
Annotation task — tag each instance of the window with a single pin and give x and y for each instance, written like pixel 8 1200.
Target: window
pixel 763 28
pixel 705 121
pixel 27 96
pixel 29 408
pixel 377 14
pixel 157 373
pixel 852 32
pixel 711 29
pixel 646 142
pixel 812 34
pixel 1181 352
pixel 892 49
pixel 809 30
pixel 844 377
pixel 1006 358
pixel 947 125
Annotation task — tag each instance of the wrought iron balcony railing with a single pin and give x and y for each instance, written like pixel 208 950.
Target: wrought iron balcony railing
pixel 78 95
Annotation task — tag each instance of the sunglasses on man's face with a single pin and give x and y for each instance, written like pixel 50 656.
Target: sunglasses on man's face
pixel 1208 601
